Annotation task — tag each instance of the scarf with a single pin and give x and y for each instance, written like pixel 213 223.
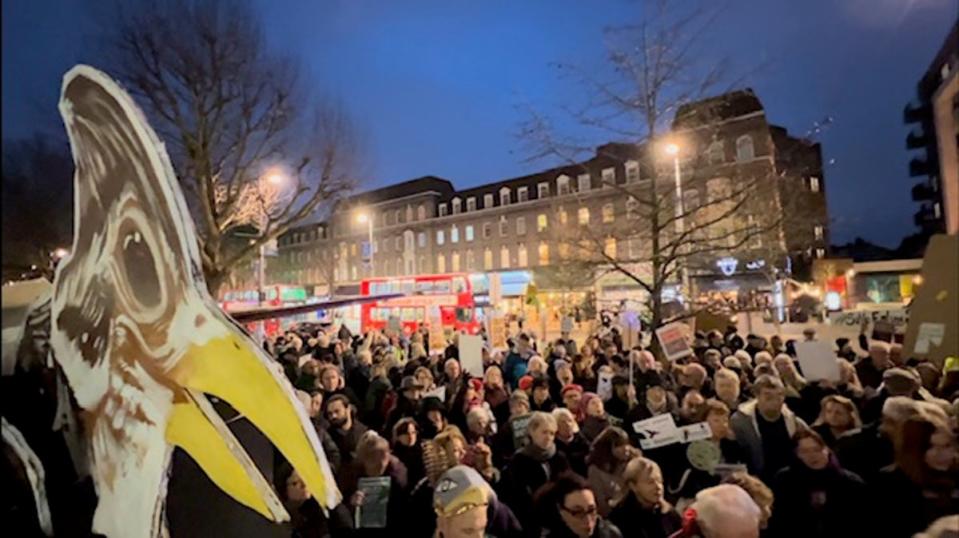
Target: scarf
pixel 538 454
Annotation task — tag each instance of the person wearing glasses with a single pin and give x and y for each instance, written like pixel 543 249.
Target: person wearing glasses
pixel 567 507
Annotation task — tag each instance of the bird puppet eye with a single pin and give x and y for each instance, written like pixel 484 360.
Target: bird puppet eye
pixel 140 269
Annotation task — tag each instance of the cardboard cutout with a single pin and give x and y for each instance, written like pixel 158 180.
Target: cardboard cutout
pixel 140 340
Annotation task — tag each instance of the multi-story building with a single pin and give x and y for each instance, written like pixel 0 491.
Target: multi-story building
pixel 936 114
pixel 540 221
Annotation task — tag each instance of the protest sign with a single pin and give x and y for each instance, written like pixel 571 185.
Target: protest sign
pixel 657 431
pixel 937 301
pixel 471 354
pixel 703 455
pixel 519 425
pixel 929 333
pixel 499 331
pixel 672 338
pixel 695 432
pixel 372 513
pixel 438 392
pixel 604 386
pixel 818 361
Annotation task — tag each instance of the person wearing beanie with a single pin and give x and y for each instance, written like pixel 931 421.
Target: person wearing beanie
pixel 571 396
pixel 466 506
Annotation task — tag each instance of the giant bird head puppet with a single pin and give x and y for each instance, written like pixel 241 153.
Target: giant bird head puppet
pixel 140 340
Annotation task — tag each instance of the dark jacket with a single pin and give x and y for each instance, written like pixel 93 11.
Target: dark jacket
pixel 524 477
pixel 828 502
pixel 864 451
pixel 575 451
pixel 604 529
pixel 397 513
pixel 905 508
pixel 636 521
pixel 347 441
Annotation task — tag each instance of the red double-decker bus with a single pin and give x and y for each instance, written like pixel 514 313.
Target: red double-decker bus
pixel 275 296
pixel 447 298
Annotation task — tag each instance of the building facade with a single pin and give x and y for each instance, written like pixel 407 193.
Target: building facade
pixel 935 115
pixel 587 212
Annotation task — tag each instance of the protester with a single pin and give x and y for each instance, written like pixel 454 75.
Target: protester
pixel 640 508
pixel 594 416
pixel 764 428
pixel 345 429
pixel 569 510
pixel 533 466
pixel 570 441
pixel 838 416
pixel 467 507
pixel 607 459
pixel 373 459
pixel 723 511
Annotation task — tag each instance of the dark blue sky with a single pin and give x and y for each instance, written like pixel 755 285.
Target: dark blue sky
pixel 438 85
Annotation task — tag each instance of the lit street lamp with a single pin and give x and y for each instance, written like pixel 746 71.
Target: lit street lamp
pixel 672 149
pixel 364 218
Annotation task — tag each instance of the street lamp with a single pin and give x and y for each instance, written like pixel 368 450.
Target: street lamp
pixel 275 176
pixel 672 149
pixel 364 218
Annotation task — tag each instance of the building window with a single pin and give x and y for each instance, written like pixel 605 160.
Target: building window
pixel 470 260
pixel 504 196
pixel 398 243
pixel 503 226
pixel 440 237
pixel 936 210
pixel 744 148
pixel 504 257
pixel 583 216
pixel 353 249
pixel 583 183
pixel 353 272
pixel 813 183
pixel 563 250
pixel 421 239
pixel 399 216
pixel 521 258
pixel 440 263
pixel 632 172
pixel 820 252
pixel 454 234
pixel 633 244
pixel 469 232
pixel 609 177
pixel 409 213
pixel 632 208
pixel 541 222
pixel 543 253
pixel 487 230
pixel 522 194
pixel 562 185
pixel 817 231
pixel 563 217
pixel 520 225
pixel 609 247
pixel 609 213
pixel 542 190
pixel 455 261
pixel 443 210
pixel 488 259
pixel 487 201
pixel 422 265
pixel 457 206
pixel 715 152
pixel 421 212
pixel 471 203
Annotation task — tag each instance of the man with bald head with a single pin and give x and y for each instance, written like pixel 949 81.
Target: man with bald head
pixel 726 511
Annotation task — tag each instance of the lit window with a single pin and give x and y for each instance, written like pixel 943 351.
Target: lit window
pixel 562 185
pixel 470 260
pixel 353 249
pixel 744 148
pixel 487 201
pixel 454 234
pixel 421 239
pixel 504 257
pixel 440 263
pixel 471 203
pixel 503 226
pixel 353 272
pixel 563 251
pixel 632 208
pixel 521 259
pixel 421 212
pixel 443 210
pixel 632 171
pixel 440 237
pixel 543 253
pixel 584 216
pixel 520 225
pixel 715 153
pixel 504 196
pixel 609 213
pixel 563 218
pixel 817 231
pixel 522 194
pixel 488 259
pixel 609 247
pixel 820 252
pixel 542 190
pixel 457 205
pixel 487 230
pixel 455 261
pixel 609 177
pixel 469 232
pixel 541 222
pixel 814 184
pixel 583 182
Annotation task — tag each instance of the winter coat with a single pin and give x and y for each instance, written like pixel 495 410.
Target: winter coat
pixel 525 476
pixel 604 529
pixel 905 508
pixel 636 521
pixel 515 368
pixel 606 486
pixel 828 502
pixel 575 450
pixel 865 451
pixel 397 513
pixel 744 426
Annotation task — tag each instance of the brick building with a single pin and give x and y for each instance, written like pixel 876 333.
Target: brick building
pixel 535 222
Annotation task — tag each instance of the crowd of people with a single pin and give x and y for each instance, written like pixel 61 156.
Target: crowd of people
pixel 551 439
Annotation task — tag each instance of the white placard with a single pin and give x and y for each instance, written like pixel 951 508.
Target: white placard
pixel 818 361
pixel 439 392
pixel 471 354
pixel 929 333
pixel 604 386
pixel 672 338
pixel 695 432
pixel 657 431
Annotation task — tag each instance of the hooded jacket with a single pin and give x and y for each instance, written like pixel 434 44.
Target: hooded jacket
pixel 744 426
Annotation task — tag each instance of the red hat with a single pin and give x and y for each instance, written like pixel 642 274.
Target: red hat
pixel 571 387
pixel 476 384
pixel 526 382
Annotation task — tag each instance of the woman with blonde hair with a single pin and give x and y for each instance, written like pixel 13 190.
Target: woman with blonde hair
pixel 837 416
pixel 641 510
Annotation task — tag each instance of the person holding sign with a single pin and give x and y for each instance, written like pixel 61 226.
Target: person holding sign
pixel 374 487
pixel 707 460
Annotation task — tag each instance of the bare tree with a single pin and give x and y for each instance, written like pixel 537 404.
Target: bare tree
pixel 250 145
pixel 652 76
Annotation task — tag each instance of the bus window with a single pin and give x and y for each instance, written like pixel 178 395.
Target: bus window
pixel 409 314
pixel 459 285
pixel 424 286
pixel 407 286
pixel 464 315
pixel 442 286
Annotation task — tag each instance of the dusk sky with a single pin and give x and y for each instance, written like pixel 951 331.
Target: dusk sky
pixel 438 86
